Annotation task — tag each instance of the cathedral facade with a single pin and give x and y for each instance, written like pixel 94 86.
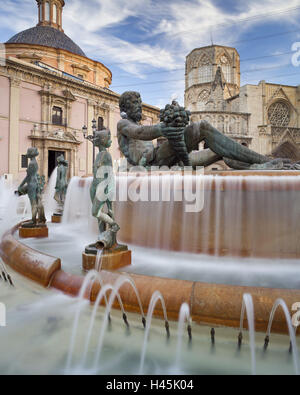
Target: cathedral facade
pixel 50 90
pixel 264 117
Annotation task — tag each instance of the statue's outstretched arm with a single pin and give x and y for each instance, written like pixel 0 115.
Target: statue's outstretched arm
pixel 26 179
pixel 139 132
pixel 226 147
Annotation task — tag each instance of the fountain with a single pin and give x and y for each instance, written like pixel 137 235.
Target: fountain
pixel 206 251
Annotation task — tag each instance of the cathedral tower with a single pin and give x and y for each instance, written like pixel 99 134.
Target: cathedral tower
pixel 202 65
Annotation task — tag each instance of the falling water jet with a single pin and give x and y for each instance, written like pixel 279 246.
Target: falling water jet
pixel 157 296
pixel 249 308
pixel 294 350
pixel 184 315
pixel 118 284
pixel 291 346
pixel 99 260
pixel 93 316
pixel 92 275
pixel 101 294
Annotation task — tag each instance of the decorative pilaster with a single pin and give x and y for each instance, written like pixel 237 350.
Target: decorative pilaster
pixel 14 158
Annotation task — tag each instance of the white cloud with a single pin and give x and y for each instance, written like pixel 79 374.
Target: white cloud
pixel 166 31
pixel 12 19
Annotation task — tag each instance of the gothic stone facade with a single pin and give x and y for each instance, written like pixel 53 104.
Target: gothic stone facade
pixel 264 117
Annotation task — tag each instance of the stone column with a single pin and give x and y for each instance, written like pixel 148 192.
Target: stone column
pixel 14 115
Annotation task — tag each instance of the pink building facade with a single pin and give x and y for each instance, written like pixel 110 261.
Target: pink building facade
pixel 47 94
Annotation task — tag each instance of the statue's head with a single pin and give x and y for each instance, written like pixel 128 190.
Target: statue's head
pixel 32 152
pixel 131 104
pixel 103 138
pixel 60 159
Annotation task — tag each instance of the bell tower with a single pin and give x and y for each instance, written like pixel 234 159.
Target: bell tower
pixel 50 13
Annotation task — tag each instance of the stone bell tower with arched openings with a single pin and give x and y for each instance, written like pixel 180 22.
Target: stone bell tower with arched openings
pixel 212 88
pixel 50 13
pixel 202 65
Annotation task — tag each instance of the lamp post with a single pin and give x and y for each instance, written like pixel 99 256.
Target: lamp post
pixel 91 137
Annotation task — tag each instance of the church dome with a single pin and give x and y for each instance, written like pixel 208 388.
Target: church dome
pixel 46 36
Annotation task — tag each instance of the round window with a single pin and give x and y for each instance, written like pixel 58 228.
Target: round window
pixel 279 114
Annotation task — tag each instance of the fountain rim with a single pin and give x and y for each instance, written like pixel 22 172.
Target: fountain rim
pixel 222 173
pixel 210 304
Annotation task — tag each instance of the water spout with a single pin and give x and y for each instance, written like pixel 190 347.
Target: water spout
pixel 184 315
pixel 118 284
pixel 281 302
pixel 156 297
pixel 248 306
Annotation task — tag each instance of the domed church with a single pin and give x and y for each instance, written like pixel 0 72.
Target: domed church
pixel 49 90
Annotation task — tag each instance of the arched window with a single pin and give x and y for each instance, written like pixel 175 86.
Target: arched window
pixel 192 78
pixel 226 68
pixel 57 116
pixel 54 13
pixel 203 99
pixel 41 12
pixel 205 74
pixel 205 70
pixel 47 11
pixel 279 114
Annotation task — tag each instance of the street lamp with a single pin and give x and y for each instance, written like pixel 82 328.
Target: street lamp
pixel 91 137
pixel 84 131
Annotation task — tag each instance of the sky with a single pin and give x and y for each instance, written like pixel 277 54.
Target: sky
pixel 145 42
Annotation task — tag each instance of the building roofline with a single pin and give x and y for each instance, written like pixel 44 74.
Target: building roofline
pixel 211 46
pixel 57 49
pixel 270 83
pixel 14 62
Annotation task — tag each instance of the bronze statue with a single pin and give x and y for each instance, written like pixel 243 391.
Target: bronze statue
pixel 102 191
pixel 61 183
pixel 33 186
pixel 135 141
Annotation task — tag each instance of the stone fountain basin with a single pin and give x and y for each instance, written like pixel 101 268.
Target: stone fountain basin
pixel 211 304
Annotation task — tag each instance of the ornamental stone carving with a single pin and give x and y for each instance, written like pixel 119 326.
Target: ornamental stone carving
pixel 279 114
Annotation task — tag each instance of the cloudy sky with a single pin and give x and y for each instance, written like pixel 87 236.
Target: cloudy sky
pixel 145 42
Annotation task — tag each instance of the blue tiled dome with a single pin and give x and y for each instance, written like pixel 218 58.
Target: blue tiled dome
pixel 47 36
